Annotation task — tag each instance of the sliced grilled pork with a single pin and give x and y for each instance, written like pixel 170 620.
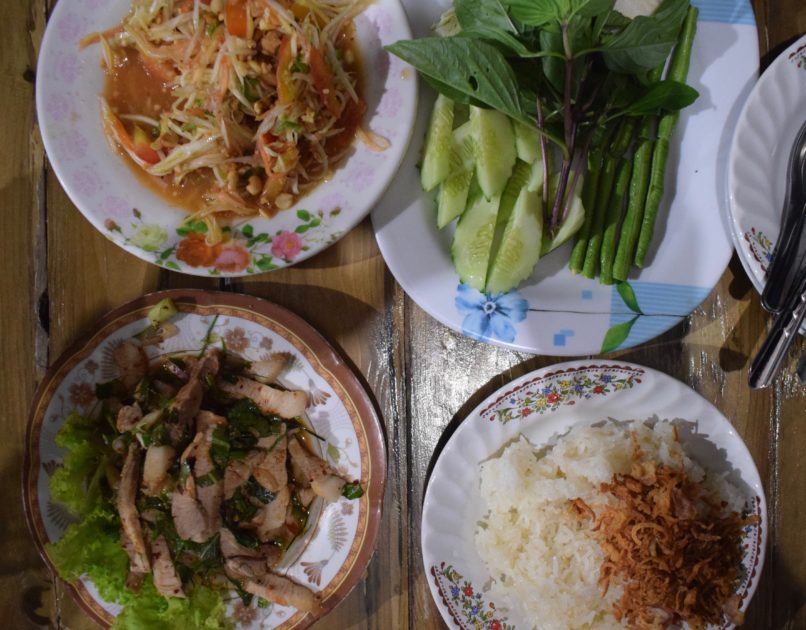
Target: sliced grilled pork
pixel 270 400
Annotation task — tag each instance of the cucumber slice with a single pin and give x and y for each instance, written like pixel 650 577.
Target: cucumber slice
pixel 436 159
pixel 569 227
pixel 473 239
pixel 536 176
pixel 527 142
pixel 520 179
pixel 520 245
pixel 452 198
pixel 463 149
pixel 495 149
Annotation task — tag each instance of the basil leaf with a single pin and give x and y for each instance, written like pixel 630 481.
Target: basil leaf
pixel 663 95
pixel 467 66
pixel 488 19
pixel 537 12
pixel 593 8
pixel 646 41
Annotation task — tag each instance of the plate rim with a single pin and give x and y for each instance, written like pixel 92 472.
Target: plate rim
pixel 554 370
pixel 329 360
pixel 96 220
pixel 768 77
pixel 532 346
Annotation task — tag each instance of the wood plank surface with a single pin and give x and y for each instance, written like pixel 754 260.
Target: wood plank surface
pixel 60 275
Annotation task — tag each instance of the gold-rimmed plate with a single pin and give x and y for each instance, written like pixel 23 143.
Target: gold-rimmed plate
pixel 337 546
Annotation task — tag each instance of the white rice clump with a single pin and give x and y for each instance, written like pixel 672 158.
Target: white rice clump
pixel 542 558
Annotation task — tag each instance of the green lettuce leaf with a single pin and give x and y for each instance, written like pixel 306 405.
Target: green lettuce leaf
pixel 91 547
pixel 203 609
pixel 75 484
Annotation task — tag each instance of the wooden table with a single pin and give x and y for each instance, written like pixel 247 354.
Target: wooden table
pixel 60 275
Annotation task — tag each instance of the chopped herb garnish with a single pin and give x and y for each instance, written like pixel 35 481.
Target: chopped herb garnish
pixel 250 89
pixel 110 389
pixel 238 509
pixel 352 491
pixel 298 65
pixel 220 447
pixel 208 336
pixel 208 480
pixel 189 127
pixel 246 598
pixel 256 490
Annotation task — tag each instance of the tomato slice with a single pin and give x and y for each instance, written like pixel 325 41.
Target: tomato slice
pixel 286 87
pixel 236 17
pixel 142 147
pixel 323 81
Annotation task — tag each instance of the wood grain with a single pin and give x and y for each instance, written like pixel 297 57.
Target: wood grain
pixel 61 274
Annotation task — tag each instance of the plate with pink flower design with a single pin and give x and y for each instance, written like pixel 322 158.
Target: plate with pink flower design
pixel 118 203
pixel 331 556
pixel 542 406
pixel 554 311
pixel 759 156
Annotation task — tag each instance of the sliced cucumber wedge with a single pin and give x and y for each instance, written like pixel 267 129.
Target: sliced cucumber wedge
pixel 536 176
pixel 495 149
pixel 463 149
pixel 473 239
pixel 520 178
pixel 569 227
pixel 520 246
pixel 438 143
pixel 452 198
pixel 527 142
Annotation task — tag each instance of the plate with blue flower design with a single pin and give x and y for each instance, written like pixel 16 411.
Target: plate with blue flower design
pixel 542 406
pixel 555 312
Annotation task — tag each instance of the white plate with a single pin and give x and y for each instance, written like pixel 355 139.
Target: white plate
pixel 767 126
pixel 332 555
pixel 108 194
pixel 556 312
pixel 545 404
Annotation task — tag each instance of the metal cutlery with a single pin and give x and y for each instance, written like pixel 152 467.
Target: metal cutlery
pixel 784 330
pixel 791 244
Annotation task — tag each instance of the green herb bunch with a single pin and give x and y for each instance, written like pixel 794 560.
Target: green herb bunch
pixel 592 82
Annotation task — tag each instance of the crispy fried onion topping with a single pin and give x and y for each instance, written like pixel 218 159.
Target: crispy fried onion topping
pixel 673 548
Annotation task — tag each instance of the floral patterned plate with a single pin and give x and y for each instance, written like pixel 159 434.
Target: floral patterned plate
pixel 759 155
pixel 555 312
pixel 332 556
pixel 108 193
pixel 542 405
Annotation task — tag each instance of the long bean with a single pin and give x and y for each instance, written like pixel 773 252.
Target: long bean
pixel 607 179
pixel 639 184
pixel 678 71
pixel 588 200
pixel 615 209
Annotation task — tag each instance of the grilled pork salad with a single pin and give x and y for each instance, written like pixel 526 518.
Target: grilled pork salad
pixel 192 476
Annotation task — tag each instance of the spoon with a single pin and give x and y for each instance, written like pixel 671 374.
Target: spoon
pixel 783 332
pixel 790 246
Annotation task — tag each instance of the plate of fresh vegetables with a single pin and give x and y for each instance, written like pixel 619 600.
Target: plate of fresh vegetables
pixel 204 460
pixel 565 187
